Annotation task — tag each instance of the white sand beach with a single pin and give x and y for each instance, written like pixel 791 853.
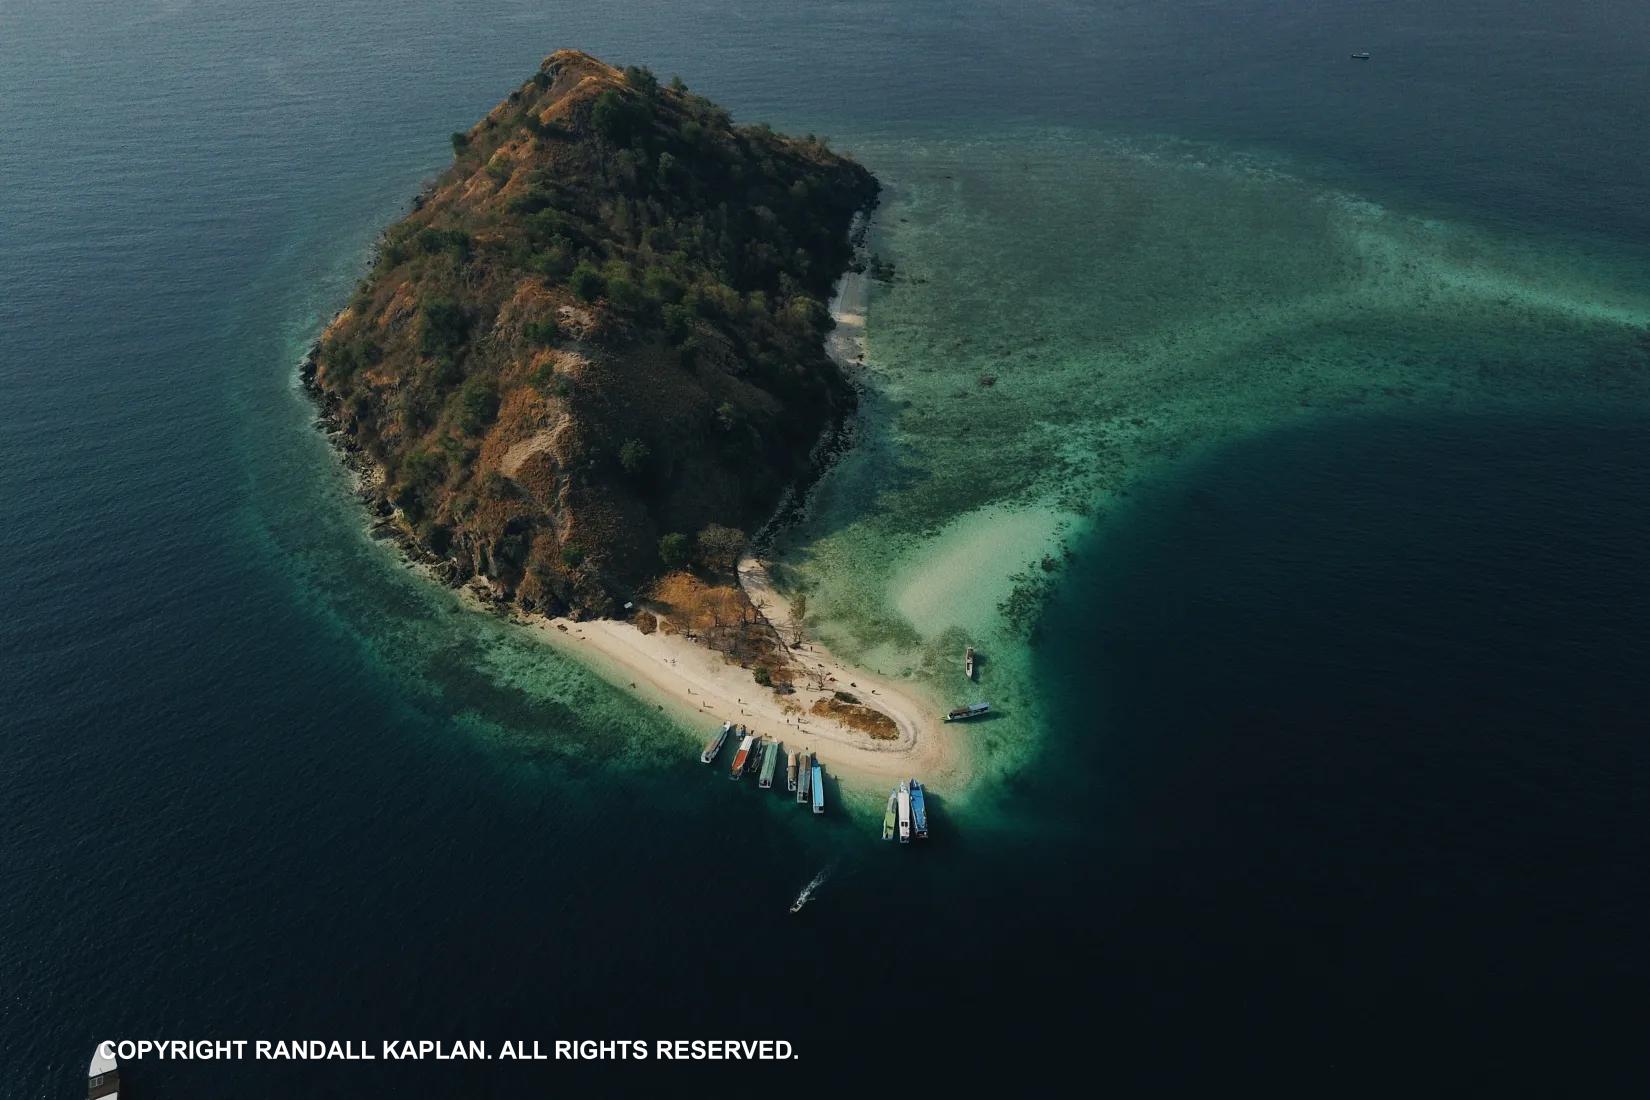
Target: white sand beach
pixel 700 687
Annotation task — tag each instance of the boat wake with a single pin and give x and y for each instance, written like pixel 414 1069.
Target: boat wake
pixel 807 893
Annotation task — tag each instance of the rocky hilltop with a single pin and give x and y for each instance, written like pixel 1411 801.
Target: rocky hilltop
pixel 594 351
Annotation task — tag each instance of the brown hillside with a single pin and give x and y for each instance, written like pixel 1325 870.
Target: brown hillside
pixel 598 334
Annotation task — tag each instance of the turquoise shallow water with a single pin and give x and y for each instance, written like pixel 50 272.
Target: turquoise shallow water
pixel 1262 324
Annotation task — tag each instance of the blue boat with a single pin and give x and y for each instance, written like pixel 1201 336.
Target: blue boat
pixel 919 812
pixel 819 790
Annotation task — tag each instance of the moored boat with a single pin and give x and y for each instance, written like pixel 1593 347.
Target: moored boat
pixel 103 1078
pixel 890 815
pixel 968 662
pixel 819 788
pixel 714 746
pixel 743 756
pixel 770 764
pixel 790 772
pixel 919 811
pixel 904 793
pixel 972 710
pixel 805 778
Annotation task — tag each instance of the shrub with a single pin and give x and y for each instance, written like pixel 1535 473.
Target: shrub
pixel 541 333
pixel 422 469
pixel 762 676
pixel 475 405
pixel 551 384
pixel 445 327
pixel 461 142
pixel 678 323
pixel 572 555
pixel 430 240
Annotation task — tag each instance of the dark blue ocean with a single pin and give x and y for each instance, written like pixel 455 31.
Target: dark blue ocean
pixel 1344 772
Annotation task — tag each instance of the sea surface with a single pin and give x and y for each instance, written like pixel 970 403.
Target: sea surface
pixel 1273 422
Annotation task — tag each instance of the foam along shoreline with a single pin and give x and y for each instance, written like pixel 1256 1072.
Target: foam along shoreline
pixel 702 689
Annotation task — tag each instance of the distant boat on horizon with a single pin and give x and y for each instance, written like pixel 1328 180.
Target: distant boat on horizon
pixel 1362 55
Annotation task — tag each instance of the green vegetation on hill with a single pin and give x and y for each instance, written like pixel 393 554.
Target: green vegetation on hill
pixel 596 344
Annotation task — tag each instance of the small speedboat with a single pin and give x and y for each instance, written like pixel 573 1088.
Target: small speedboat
pixel 1362 55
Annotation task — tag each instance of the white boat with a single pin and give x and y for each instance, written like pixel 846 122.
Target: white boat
pixel 968 662
pixel 715 745
pixel 103 1079
pixel 904 793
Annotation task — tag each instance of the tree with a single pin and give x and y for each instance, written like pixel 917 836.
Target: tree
pixel 720 547
pixel 674 550
pixel 633 456
pixel 622 291
pixel 642 79
pixel 618 118
pixel 799 612
pixel 586 282
pixel 661 286
pixel 461 142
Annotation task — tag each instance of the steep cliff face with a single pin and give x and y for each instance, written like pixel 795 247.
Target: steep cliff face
pixel 597 342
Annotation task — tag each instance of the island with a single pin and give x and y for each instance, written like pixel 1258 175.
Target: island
pixel 595 357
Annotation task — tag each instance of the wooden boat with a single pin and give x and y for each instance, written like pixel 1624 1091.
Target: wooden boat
pixel 743 757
